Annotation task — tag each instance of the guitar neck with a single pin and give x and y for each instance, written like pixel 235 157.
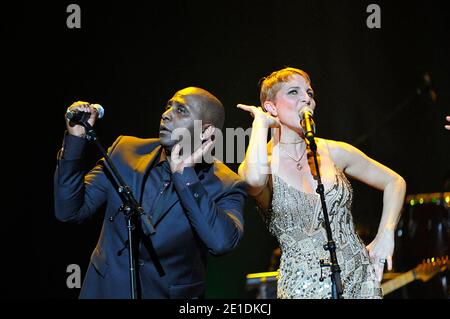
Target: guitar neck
pixel 398 282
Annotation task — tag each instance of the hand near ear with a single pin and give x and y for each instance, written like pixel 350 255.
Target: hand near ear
pixel 207 133
pixel 177 163
pixel 264 119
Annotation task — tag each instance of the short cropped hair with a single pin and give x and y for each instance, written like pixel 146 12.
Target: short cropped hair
pixel 271 84
pixel 213 109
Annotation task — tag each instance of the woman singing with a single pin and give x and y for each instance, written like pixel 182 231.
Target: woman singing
pixel 282 178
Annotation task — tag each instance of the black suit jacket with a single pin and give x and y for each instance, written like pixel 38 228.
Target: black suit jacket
pixel 203 214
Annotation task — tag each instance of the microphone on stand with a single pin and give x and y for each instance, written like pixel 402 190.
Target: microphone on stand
pixel 307 124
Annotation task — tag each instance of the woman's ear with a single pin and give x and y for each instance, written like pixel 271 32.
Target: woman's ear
pixel 270 108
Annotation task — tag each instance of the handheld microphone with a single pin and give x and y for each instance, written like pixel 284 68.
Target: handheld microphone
pixel 76 116
pixel 307 123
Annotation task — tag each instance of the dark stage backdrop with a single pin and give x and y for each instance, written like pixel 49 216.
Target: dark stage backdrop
pixel 132 56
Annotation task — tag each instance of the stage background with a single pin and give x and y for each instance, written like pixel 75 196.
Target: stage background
pixel 131 57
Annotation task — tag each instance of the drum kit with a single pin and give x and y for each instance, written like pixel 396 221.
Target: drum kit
pixel 420 259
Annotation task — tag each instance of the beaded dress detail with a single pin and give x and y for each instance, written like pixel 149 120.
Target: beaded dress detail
pixel 295 219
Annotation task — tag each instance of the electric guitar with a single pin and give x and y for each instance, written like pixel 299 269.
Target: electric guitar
pixel 424 271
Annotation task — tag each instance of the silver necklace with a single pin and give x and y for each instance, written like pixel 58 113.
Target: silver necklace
pixel 299 165
pixel 297 142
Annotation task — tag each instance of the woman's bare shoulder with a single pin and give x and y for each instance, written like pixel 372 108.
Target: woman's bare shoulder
pixel 336 150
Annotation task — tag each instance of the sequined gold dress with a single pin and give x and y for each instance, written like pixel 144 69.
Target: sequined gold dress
pixel 295 219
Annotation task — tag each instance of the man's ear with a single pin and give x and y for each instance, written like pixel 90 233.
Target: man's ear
pixel 270 108
pixel 208 131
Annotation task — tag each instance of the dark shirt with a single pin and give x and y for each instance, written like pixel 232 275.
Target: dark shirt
pixel 158 183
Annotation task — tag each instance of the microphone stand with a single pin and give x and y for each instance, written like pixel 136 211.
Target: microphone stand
pixel 336 282
pixel 130 206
